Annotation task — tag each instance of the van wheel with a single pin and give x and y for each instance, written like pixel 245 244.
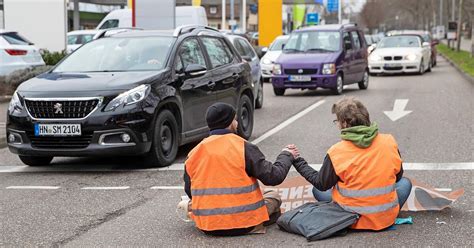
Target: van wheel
pixel 165 140
pixel 339 85
pixel 245 117
pixel 279 91
pixel 364 84
pixel 259 100
pixel 35 161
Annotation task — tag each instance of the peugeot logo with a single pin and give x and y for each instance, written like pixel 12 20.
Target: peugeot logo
pixel 58 107
pixel 300 71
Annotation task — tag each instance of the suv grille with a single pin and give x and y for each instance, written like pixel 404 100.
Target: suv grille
pixel 60 142
pixel 302 72
pixel 60 109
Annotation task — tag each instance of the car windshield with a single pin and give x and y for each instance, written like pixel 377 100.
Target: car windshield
pixel 119 54
pixel 313 41
pixel 399 41
pixel 277 45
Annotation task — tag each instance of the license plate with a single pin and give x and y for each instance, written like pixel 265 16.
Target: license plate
pixel 57 129
pixel 298 78
pixel 393 65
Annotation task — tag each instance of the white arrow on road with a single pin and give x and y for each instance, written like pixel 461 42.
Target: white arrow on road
pixel 398 110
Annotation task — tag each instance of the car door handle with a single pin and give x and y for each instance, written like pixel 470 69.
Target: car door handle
pixel 211 84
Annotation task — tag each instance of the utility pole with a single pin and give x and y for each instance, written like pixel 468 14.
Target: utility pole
pixel 232 16
pixel 339 11
pixel 458 47
pixel 76 18
pixel 453 10
pixel 223 26
pixel 244 16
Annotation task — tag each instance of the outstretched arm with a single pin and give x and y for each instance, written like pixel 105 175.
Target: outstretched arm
pixel 323 180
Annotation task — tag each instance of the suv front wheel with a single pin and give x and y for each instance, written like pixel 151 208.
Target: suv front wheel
pixel 245 117
pixel 165 140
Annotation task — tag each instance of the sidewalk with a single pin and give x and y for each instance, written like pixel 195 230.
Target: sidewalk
pixel 465 44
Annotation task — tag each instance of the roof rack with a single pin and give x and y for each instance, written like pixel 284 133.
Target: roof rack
pixel 105 32
pixel 188 28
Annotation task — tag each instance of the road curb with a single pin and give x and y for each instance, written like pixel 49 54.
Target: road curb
pixel 5 98
pixel 464 74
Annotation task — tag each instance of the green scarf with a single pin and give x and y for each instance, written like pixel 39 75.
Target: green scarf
pixel 361 136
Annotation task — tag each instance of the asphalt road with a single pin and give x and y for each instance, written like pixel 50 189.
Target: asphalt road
pixel 438 132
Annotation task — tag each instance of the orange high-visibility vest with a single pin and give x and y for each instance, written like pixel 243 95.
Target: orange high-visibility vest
pixel 367 181
pixel 223 195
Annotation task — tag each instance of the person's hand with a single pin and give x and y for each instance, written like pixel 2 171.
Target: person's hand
pixel 293 150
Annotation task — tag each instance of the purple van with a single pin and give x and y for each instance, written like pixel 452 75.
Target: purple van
pixel 327 56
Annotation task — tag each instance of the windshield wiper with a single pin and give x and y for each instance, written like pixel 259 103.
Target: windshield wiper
pixel 292 50
pixel 318 50
pixel 106 71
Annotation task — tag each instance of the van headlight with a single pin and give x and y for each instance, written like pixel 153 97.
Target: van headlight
pixel 15 104
pixel 329 69
pixel 277 69
pixel 411 57
pixel 129 97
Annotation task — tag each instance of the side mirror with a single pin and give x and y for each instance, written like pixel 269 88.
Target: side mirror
pixel 247 58
pixel 194 70
pixel 264 50
pixel 426 44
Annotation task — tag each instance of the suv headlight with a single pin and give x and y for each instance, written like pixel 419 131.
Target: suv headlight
pixel 277 69
pixel 129 97
pixel 329 69
pixel 266 61
pixel 15 104
pixel 411 57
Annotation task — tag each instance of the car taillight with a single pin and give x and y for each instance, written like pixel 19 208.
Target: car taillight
pixel 16 52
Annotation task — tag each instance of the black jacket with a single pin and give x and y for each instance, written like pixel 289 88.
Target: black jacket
pixel 255 165
pixel 326 178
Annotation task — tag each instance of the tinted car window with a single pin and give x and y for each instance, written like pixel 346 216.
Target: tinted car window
pixel 356 39
pixel 15 39
pixel 347 41
pixel 113 23
pixel 119 54
pixel 238 46
pixel 248 50
pixel 190 53
pixel 218 51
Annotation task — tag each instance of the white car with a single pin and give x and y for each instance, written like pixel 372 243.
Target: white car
pixel 75 39
pixel 272 53
pixel 400 54
pixel 17 53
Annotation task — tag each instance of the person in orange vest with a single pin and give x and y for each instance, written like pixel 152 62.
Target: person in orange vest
pixel 221 176
pixel 363 172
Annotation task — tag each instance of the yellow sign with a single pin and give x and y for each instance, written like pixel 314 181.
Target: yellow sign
pixel 269 21
pixel 196 2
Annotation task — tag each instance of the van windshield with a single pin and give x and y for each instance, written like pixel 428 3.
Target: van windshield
pixel 119 54
pixel 313 41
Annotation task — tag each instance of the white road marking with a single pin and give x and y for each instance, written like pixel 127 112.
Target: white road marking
pixel 106 188
pixel 287 122
pixel 168 187
pixel 443 189
pixel 32 187
pixel 180 167
pixel 398 110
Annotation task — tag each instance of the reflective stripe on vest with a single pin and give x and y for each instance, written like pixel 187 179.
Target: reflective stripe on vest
pixel 231 210
pixel 365 192
pixel 372 209
pixel 224 191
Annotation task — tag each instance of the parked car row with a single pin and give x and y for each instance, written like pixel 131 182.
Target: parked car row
pixel 140 93
pixel 16 52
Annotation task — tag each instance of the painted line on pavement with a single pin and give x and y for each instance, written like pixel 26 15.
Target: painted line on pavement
pixel 168 187
pixel 32 187
pixel 106 188
pixel 443 189
pixel 287 122
pixel 180 167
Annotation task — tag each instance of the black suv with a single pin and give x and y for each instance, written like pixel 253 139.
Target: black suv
pixel 131 93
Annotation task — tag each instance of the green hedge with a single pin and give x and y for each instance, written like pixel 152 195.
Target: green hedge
pixel 52 58
pixel 463 59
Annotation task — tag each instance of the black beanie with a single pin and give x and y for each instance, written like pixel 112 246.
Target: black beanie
pixel 220 115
